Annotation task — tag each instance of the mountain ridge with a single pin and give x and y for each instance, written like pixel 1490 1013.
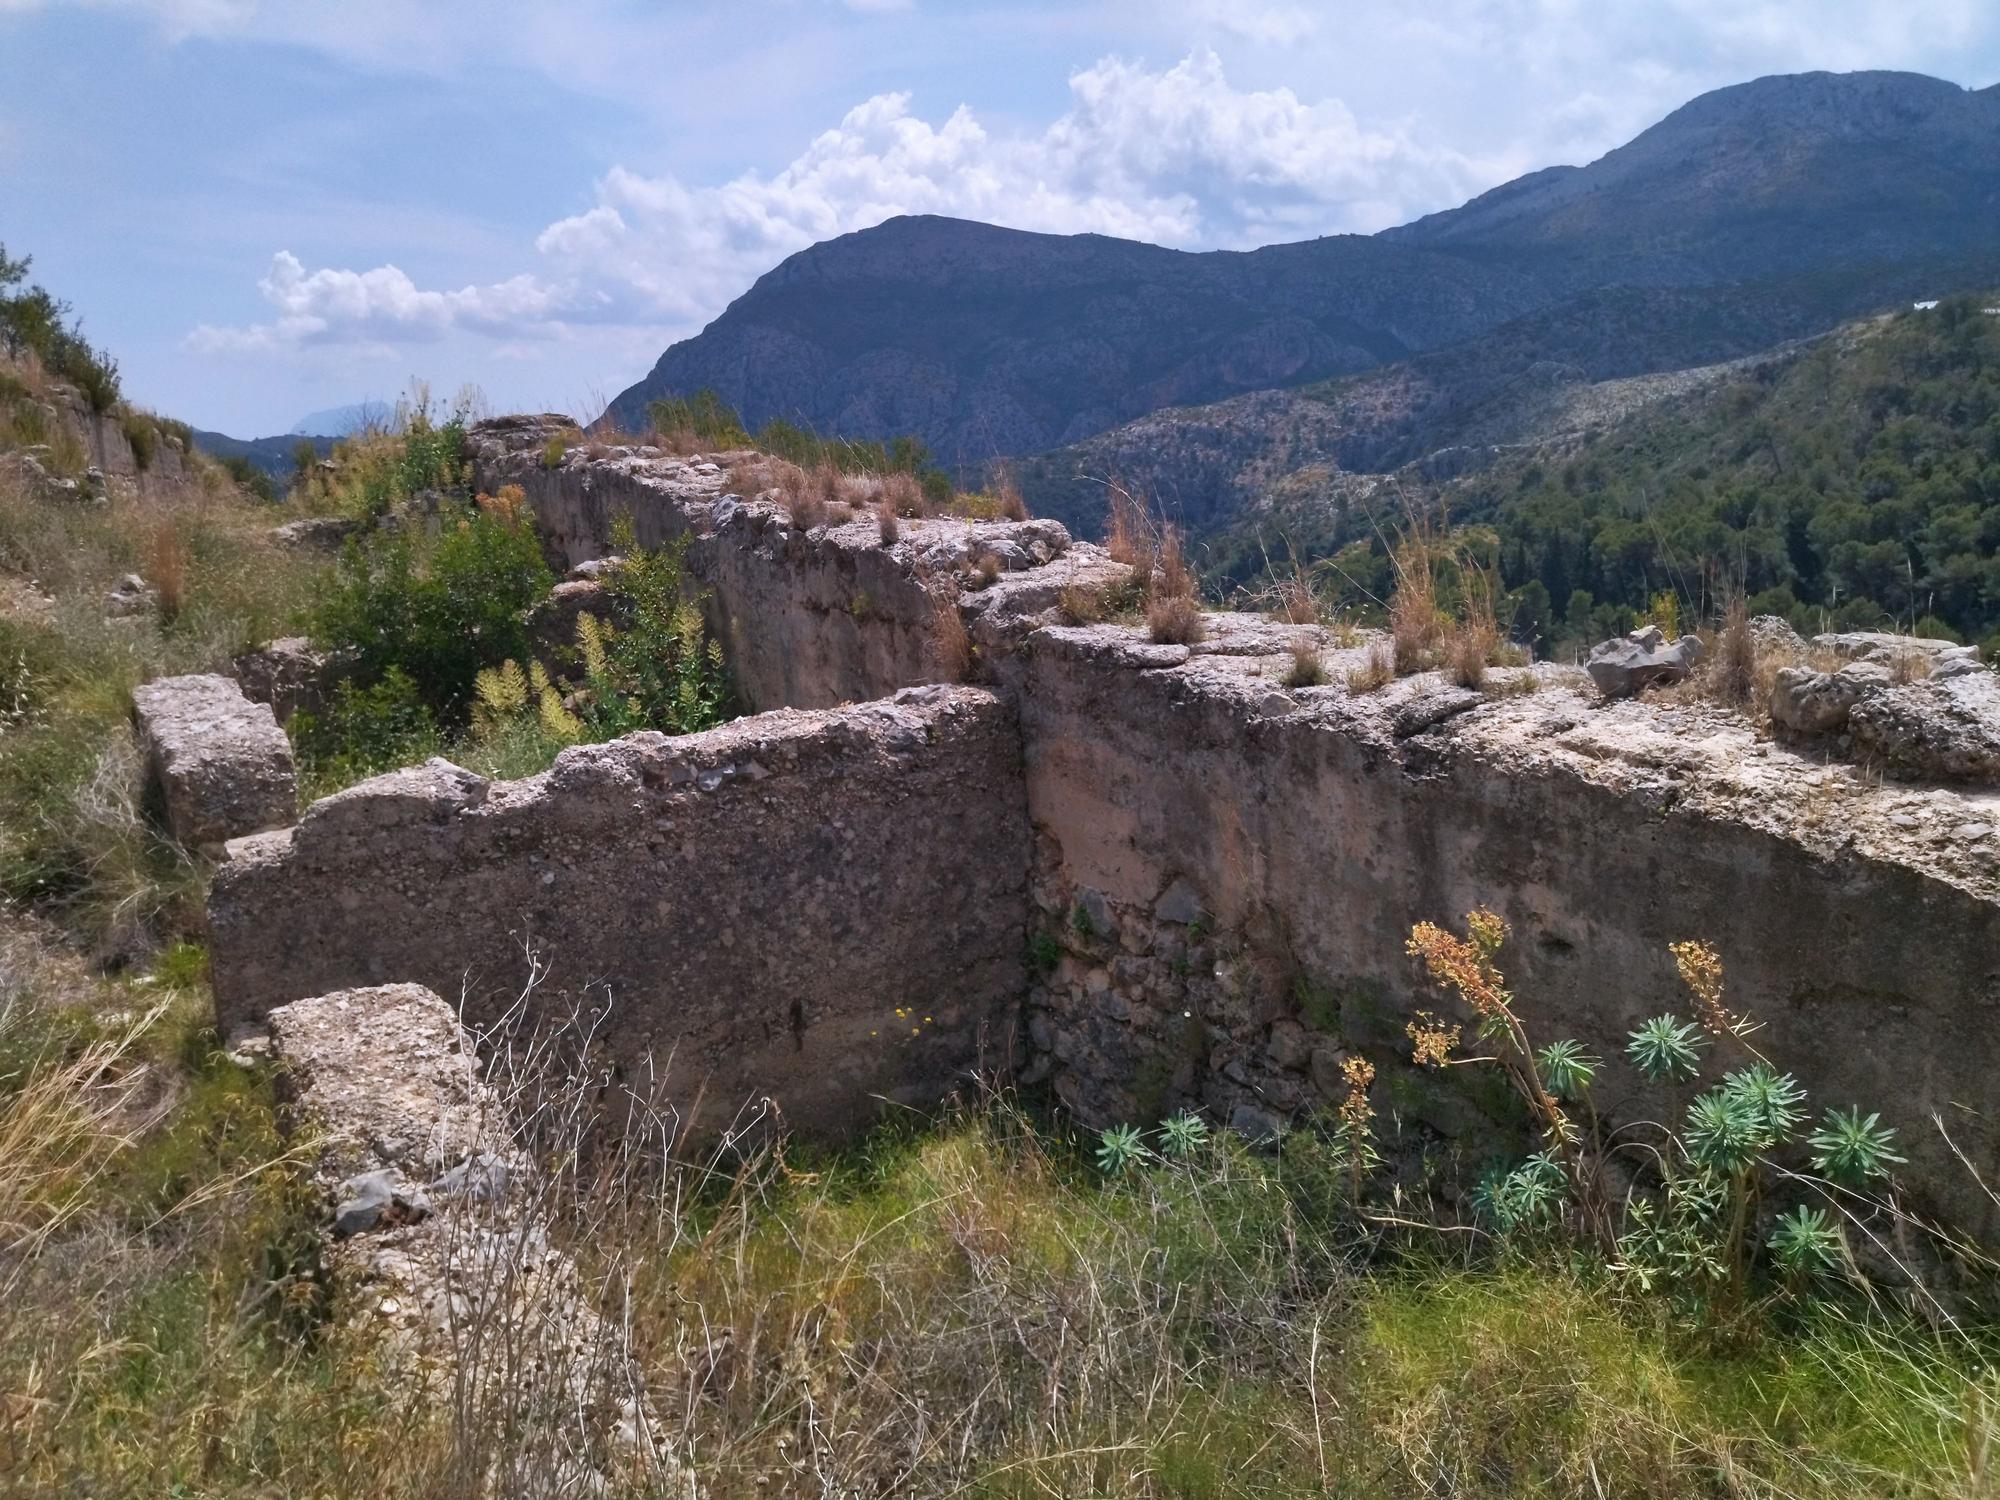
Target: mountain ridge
pixel 1757 213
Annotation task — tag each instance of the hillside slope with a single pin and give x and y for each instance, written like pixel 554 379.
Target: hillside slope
pixel 1755 213
pixel 1849 482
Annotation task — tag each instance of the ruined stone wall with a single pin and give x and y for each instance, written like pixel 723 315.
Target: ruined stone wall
pixel 1221 877
pixel 808 618
pixel 1230 870
pixel 825 908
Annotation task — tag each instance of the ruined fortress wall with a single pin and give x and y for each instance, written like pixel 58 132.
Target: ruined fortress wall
pixel 1232 871
pixel 825 908
pixel 1221 877
pixel 807 619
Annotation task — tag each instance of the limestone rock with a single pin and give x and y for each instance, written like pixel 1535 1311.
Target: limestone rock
pixel 1884 646
pixel 130 595
pixel 1819 702
pixel 218 765
pixel 1773 634
pixel 315 533
pixel 1947 728
pixel 1641 660
pixel 290 674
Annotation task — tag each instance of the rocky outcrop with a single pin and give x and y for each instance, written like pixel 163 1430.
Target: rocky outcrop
pixel 821 909
pixel 1641 660
pixel 1945 727
pixel 438 1244
pixel 217 765
pixel 1914 706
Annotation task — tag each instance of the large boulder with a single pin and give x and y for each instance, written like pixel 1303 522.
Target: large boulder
pixel 1916 655
pixel 1642 659
pixel 1945 727
pixel 1810 702
pixel 217 765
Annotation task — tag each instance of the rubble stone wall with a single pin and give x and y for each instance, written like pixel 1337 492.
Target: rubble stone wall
pixel 822 908
pixel 1229 871
pixel 1220 880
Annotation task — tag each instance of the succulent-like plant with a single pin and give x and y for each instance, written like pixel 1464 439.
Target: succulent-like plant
pixel 1805 1242
pixel 1774 1098
pixel 1184 1134
pixel 1530 1194
pixel 1850 1149
pixel 1567 1069
pixel 1666 1049
pixel 1118 1149
pixel 1724 1133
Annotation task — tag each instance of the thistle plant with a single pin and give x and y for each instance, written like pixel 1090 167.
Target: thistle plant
pixel 1666 1049
pixel 1119 1148
pixel 1183 1135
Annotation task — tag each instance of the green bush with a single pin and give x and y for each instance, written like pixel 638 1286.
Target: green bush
pixel 364 731
pixel 437 609
pixel 32 321
pixel 142 436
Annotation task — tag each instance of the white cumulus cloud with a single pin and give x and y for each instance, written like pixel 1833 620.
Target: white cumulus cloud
pixel 1177 156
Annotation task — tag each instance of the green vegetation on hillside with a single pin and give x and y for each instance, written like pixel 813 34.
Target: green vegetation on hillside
pixel 1856 486
pixel 34 322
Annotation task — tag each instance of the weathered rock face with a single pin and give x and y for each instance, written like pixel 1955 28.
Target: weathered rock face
pixel 826 909
pixel 1946 727
pixel 439 1242
pixel 217 764
pixel 1642 659
pixel 1917 707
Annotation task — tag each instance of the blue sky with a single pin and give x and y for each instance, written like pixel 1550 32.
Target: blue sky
pixel 267 208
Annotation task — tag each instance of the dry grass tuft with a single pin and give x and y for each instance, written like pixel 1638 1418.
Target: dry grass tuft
pixel 1307 669
pixel 1081 604
pixel 1735 671
pixel 167 570
pixel 890 527
pixel 1175 620
pixel 748 477
pixel 1417 623
pixel 1378 671
pixel 1008 493
pixel 902 494
pixel 951 643
pixel 1128 535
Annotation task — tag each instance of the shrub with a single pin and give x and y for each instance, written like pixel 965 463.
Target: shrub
pixel 436 611
pixel 141 435
pixel 1175 620
pixel 363 732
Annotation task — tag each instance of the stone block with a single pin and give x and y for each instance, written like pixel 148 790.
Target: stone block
pixel 218 766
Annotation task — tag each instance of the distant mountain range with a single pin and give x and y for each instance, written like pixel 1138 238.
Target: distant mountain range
pixel 275 456
pixel 1756 214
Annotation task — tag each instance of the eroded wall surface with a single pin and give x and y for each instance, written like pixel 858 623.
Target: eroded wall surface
pixel 1230 871
pixel 822 908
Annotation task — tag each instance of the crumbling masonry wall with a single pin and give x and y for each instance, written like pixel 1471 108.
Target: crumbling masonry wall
pixel 822 908
pixel 1215 873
